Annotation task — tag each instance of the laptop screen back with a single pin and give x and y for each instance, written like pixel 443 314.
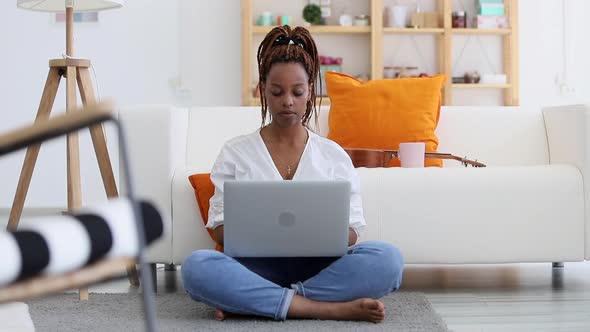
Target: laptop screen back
pixel 286 218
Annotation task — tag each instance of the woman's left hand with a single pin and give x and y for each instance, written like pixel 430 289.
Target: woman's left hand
pixel 351 237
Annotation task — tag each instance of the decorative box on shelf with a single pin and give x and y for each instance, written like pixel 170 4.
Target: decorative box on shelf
pixel 327 63
pixel 491 22
pixel 490 9
pixel 321 89
pixel 490 2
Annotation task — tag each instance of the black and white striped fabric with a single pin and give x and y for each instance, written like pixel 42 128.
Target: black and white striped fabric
pixel 63 243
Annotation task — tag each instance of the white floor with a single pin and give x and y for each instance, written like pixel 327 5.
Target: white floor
pixel 508 297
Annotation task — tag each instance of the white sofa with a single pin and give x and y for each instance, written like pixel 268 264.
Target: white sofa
pixel 528 205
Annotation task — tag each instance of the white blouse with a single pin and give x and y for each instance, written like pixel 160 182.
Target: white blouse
pixel 247 158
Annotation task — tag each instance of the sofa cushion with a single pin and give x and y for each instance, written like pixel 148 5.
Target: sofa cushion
pixel 458 215
pixel 204 190
pixel 380 114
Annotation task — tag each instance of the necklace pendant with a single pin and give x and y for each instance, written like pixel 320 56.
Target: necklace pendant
pixel 288 170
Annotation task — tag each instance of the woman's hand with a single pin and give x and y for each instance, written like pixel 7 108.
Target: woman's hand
pixel 219 234
pixel 351 237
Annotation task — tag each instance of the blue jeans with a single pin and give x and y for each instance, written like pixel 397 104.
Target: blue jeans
pixel 266 286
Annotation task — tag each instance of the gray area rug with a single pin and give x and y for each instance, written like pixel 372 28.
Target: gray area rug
pixel 405 311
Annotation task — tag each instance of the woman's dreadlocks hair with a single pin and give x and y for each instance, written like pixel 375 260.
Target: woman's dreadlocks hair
pixel 284 45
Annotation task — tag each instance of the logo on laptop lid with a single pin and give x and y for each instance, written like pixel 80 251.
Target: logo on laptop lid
pixel 287 218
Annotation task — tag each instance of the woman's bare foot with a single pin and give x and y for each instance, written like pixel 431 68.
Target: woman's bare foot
pixel 219 315
pixel 371 308
pixel 365 309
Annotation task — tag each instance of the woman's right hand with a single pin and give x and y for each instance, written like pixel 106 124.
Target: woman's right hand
pixel 219 234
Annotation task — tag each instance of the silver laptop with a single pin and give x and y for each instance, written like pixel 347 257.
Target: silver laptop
pixel 286 218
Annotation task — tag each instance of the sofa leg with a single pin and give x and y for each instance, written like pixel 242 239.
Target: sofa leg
pixel 557 264
pixel 153 270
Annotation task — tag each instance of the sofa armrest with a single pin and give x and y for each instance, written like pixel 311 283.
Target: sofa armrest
pixel 568 135
pixel 189 232
pixel 156 136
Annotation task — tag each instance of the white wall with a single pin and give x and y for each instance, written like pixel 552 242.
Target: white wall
pixel 210 48
pixel 541 50
pixel 135 54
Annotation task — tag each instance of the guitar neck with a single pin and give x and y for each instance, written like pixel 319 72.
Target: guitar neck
pixel 439 155
pixel 435 155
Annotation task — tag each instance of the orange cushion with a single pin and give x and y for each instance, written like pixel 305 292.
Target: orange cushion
pixel 380 114
pixel 204 190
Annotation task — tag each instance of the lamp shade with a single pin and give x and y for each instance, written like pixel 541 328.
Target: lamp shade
pixel 60 5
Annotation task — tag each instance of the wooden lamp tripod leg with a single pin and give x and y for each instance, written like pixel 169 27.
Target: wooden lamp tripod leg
pixel 73 155
pixel 45 106
pixel 102 153
pixel 98 137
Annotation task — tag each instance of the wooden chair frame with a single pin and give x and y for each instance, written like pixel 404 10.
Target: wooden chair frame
pixel 107 268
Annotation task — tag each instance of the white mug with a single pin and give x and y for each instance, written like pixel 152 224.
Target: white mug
pixel 400 16
pixel 412 154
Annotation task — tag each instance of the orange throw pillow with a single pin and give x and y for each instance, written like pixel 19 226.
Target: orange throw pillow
pixel 380 114
pixel 204 190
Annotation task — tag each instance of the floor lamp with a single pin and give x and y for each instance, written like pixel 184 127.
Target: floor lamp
pixel 77 75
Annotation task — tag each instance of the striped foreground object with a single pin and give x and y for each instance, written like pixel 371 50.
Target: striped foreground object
pixel 62 243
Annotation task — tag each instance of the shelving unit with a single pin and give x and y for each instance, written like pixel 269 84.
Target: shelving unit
pixel 320 29
pixel 414 31
pixel 256 101
pixel 481 86
pixel 376 32
pixel 481 31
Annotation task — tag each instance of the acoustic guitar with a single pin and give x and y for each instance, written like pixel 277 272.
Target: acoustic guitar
pixel 380 158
